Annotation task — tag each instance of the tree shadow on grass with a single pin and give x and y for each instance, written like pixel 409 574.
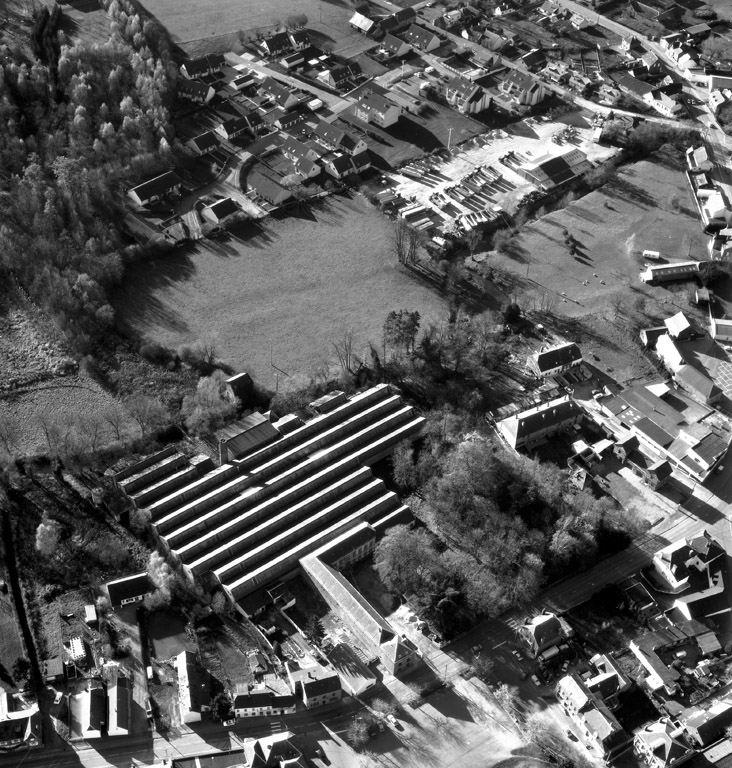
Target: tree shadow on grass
pixel 624 188
pixel 138 297
pixel 408 131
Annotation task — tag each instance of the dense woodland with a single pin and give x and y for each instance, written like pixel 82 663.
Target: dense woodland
pixel 498 527
pixel 79 121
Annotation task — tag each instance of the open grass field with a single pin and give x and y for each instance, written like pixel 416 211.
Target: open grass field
pixel 647 207
pixel 215 25
pixel 296 284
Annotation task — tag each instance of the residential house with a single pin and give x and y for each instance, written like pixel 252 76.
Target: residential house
pixel 608 681
pixel 599 728
pixel 316 685
pixel 536 425
pixel 299 39
pixel 293 60
pixel 631 85
pixel 281 95
pixel 220 211
pixel 398 21
pixel 422 39
pixel 534 60
pixel 555 360
pixel 697 385
pixel 203 143
pixel 675 562
pixel 394 47
pixel 232 127
pixel 129 590
pixel 377 109
pixel 522 88
pixel 239 81
pixel 467 97
pixel 277 44
pixel 295 150
pixel 337 165
pixel 195 90
pixel 651 62
pixel 194 687
pixel 307 169
pixel 285 119
pixel 19 725
pixel 703 727
pixel 667 427
pixel 337 139
pixel 543 631
pixel 267 188
pixel 361 162
pixel 628 43
pixel 660 745
pixel 264 704
pixel 556 72
pixel 362 23
pixel 341 76
pixel 156 189
pixel 205 65
pixel 663 103
pixel 580 22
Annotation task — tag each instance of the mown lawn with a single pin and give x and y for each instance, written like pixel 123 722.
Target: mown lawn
pixel 292 286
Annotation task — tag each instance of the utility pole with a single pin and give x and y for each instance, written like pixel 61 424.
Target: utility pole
pixel 449 137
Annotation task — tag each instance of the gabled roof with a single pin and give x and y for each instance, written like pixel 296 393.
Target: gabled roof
pixel 204 64
pixel 375 101
pixel 291 146
pixel 160 185
pixel 277 42
pixel 362 22
pixel 193 89
pixel 223 208
pixel 205 142
pixel 128 587
pixel 677 324
pixel 300 37
pixel 253 699
pixel 692 379
pixel 235 125
pixel 420 36
pixel 630 83
pixel 542 417
pixel 341 163
pixel 329 133
pixel 555 357
pixel 393 43
pixel 321 685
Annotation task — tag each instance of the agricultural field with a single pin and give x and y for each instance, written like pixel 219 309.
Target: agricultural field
pixel 288 287
pixel 221 25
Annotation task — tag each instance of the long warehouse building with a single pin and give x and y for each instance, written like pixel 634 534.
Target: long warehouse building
pixel 287 488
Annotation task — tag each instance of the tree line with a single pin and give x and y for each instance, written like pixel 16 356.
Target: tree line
pixel 76 129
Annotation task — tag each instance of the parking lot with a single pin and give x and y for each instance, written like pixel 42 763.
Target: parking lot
pixel 479 179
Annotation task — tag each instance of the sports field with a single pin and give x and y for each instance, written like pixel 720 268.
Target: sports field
pixel 292 285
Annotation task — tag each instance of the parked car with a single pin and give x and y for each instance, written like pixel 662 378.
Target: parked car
pixel 391 719
pixel 517 655
pixel 475 650
pixel 382 727
pixel 565 666
pixel 230 723
pixel 535 680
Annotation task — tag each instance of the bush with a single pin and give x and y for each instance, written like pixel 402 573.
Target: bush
pixel 154 352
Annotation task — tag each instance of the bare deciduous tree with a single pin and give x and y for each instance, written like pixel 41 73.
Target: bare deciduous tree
pixel 114 416
pixel 148 412
pixel 344 351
